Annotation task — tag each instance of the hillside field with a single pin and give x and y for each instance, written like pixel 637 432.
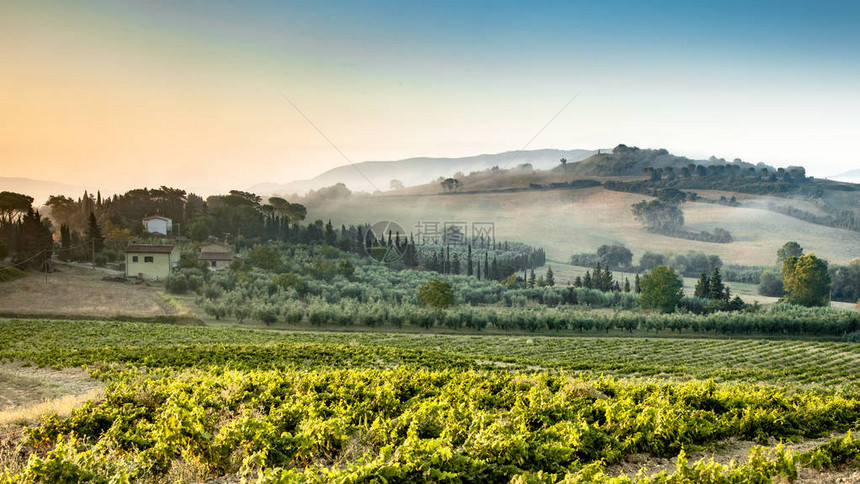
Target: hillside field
pixel 568 221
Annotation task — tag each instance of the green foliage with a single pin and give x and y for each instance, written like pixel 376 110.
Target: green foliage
pixel 95 240
pixel 265 406
pixel 615 255
pixel 436 294
pixel 659 216
pixel 346 268
pixel 788 250
pixel 703 286
pixel 833 454
pixel 289 280
pixel 846 281
pixel 771 284
pixel 10 273
pixel 662 289
pixel 716 289
pixel 265 257
pixel 806 280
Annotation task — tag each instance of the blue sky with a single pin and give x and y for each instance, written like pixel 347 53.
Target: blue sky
pixel 180 85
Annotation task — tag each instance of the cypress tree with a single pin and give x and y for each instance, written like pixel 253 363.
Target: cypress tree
pixel 95 239
pixel 606 282
pixel 469 268
pixel 703 287
pixel 532 278
pixel 716 289
pixel 550 279
pixel 626 285
pixel 586 281
pixel 65 242
pixel 636 288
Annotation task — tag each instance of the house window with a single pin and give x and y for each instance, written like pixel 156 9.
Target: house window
pixel 213 263
pixel 147 258
pixel 134 258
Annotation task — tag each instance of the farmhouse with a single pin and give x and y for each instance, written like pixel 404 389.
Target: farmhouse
pixel 156 224
pixel 150 261
pixel 216 255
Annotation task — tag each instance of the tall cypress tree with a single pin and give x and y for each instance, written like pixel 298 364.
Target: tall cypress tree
pixel 65 242
pixel 716 289
pixel 703 287
pixel 606 282
pixel 469 268
pixel 550 278
pixel 95 239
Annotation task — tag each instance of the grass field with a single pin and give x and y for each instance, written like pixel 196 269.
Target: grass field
pixel 194 404
pixel 579 220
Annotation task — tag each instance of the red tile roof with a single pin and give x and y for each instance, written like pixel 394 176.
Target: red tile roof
pixel 149 249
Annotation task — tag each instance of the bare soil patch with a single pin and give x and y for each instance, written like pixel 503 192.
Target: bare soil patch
pixel 735 450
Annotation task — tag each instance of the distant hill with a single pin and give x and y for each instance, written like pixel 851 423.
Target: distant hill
pixel 377 175
pixel 629 161
pixel 852 176
pixel 40 190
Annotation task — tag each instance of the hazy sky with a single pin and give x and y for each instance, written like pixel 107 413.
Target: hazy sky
pixel 188 94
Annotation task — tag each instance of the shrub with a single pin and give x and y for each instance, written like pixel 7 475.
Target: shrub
pixel 436 294
pixel 661 289
pixel 176 284
pixel 266 313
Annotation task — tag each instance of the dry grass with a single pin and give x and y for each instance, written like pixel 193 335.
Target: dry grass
pixel 78 291
pixel 27 393
pixel 62 406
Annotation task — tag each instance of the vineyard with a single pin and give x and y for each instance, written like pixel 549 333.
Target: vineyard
pixel 189 404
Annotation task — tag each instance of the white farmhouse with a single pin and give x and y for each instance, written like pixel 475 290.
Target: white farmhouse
pixel 157 224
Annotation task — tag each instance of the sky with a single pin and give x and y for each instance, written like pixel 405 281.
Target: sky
pixel 211 96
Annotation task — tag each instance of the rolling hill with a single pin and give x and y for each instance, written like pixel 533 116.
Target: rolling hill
pixel 569 221
pixel 561 209
pixel 852 176
pixel 370 176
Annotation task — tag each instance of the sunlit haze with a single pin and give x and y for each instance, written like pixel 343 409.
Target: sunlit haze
pixel 194 94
